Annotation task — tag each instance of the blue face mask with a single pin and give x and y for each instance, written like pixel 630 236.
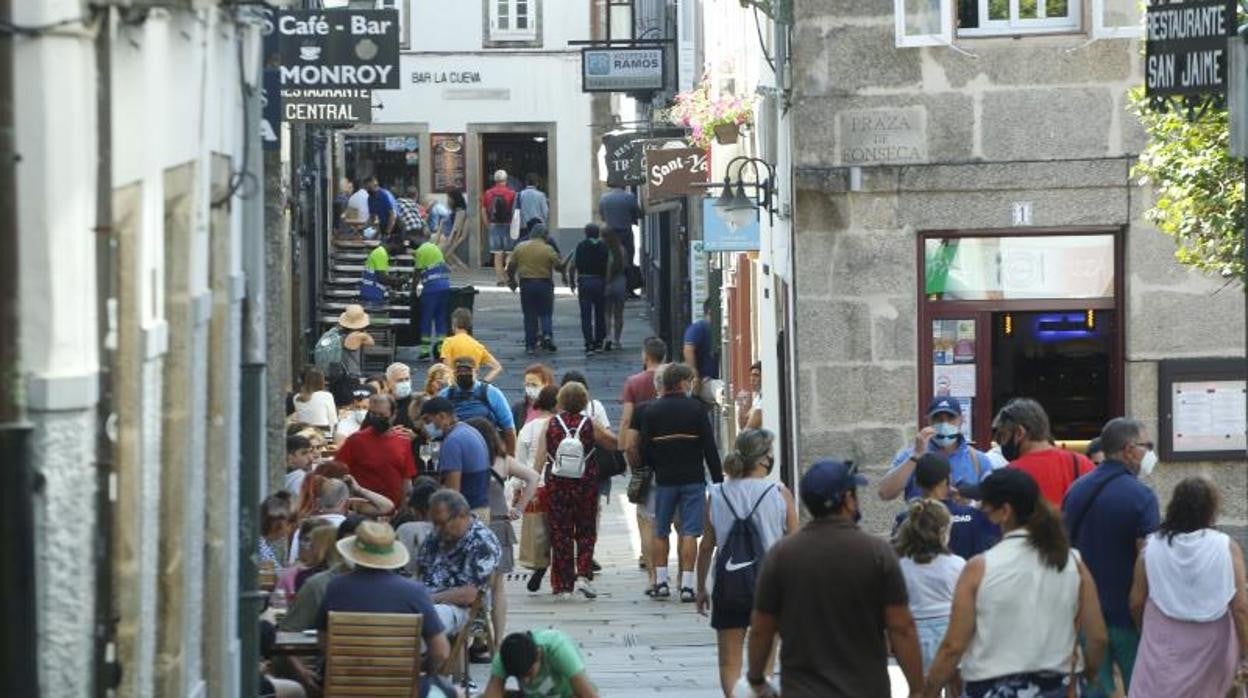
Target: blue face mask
pixel 946 433
pixel 433 431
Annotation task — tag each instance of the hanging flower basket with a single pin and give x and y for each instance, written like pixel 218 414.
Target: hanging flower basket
pixel 719 118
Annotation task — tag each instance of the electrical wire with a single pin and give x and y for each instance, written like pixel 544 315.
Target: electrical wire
pixel 762 45
pixel 241 176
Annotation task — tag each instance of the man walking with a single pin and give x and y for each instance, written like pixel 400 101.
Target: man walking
pixel 1108 514
pixel 472 398
pixel 942 435
pixel 699 353
pixel 970 531
pixel 532 201
pixel 497 204
pixel 531 267
pixel 461 344
pixel 589 269
pixel 837 598
pixel 618 208
pixel 1022 429
pixel 639 389
pixel 676 440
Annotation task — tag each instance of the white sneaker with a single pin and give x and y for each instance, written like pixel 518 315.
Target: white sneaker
pixel 584 587
pixel 563 596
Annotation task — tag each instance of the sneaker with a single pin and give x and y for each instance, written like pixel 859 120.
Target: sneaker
pixel 530 352
pixel 606 346
pixel 535 580
pixel 589 351
pixel 584 587
pixel 593 565
pixel 549 344
pixel 563 596
pixel 687 595
pixel 661 591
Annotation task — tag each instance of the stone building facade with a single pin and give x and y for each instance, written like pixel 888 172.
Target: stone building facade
pixel 992 136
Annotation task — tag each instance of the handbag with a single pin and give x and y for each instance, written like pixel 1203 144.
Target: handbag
pixel 609 463
pixel 639 484
pixel 514 230
pixel 534 541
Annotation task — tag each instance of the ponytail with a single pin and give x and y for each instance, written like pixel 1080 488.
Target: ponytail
pixel 921 535
pixel 1046 534
pixel 734 465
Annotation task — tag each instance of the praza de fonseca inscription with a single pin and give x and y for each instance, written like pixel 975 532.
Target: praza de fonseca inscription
pixel 881 136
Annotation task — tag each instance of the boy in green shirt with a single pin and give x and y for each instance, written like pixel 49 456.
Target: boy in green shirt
pixel 547 663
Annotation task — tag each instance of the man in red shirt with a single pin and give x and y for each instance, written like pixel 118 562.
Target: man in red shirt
pixel 639 389
pixel 1022 430
pixel 497 204
pixel 380 458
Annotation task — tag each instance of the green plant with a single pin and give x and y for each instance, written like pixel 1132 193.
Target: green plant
pixel 699 112
pixel 1198 185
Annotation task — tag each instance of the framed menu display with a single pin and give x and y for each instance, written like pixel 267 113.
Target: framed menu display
pixel 449 171
pixel 1203 409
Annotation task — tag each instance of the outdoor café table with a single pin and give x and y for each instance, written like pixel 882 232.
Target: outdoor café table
pixel 296 643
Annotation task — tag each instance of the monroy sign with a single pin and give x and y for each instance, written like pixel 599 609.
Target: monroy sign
pixel 1185 52
pixel 353 49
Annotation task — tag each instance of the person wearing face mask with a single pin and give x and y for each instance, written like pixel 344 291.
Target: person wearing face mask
pixel 473 398
pixel 355 414
pixel 837 597
pixel 1022 429
pixel 970 532
pixel 399 384
pixel 464 459
pixel 536 377
pixel 1109 514
pixel 380 457
pixel 943 435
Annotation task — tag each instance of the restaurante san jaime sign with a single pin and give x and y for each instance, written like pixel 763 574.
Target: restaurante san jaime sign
pixel 351 49
pixel 1186 48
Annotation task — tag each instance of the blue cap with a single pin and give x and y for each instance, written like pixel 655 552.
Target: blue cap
pixel 944 404
pixel 829 479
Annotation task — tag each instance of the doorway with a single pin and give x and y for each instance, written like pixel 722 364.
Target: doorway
pixel 520 154
pixel 394 159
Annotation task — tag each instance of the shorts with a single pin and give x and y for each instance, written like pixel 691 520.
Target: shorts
pixel 729 618
pixel 453 618
pixel 500 237
pixel 689 499
pixel 931 633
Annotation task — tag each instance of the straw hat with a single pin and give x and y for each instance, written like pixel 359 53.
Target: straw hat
pixel 354 317
pixel 374 546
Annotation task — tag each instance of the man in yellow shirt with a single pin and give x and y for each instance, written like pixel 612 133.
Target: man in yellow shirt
pixel 532 263
pixel 461 343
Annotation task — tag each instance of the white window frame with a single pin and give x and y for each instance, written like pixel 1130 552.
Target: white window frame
pixel 1016 25
pixel 943 38
pixel 511 34
pixel 948 14
pixel 1100 31
pixel 405 36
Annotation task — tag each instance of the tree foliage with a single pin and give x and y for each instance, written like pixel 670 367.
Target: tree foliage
pixel 1199 187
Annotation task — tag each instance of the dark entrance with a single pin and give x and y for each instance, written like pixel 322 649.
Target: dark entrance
pixel 520 154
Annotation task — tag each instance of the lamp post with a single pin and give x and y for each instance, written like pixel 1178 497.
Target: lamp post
pixel 736 207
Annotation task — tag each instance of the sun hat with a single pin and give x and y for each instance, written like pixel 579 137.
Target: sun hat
pixel 353 317
pixel 373 546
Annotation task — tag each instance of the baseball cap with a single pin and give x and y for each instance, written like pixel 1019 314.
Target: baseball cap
pixel 466 362
pixel 437 405
pixel 947 405
pixel 931 470
pixel 829 479
pixel 361 392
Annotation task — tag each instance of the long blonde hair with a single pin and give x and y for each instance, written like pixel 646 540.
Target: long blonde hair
pixel 437 372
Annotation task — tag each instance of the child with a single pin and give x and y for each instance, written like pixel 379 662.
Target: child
pixel 931 572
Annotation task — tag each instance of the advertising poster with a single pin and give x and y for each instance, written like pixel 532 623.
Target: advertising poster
pixel 735 231
pixel 448 161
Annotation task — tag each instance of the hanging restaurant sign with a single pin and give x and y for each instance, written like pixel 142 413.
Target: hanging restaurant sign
pixel 327 106
pixel 1186 47
pixel 347 49
pixel 673 172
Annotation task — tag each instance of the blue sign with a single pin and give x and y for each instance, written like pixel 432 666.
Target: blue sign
pixel 271 109
pixel 733 231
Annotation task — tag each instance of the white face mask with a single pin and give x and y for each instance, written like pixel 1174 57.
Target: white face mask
pixel 359 415
pixel 1147 463
pixel 403 389
pixel 532 391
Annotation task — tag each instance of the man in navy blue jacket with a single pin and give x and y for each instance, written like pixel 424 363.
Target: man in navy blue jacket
pixel 971 532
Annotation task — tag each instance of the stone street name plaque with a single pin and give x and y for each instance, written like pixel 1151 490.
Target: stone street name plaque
pixel 868 137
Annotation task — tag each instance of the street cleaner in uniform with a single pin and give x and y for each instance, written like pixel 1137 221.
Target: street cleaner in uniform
pixel 377 275
pixel 435 290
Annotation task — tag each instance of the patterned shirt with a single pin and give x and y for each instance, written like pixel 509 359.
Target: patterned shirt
pixel 469 561
pixel 410 218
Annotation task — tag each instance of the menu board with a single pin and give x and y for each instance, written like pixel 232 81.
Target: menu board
pixel 1209 416
pixel 449 171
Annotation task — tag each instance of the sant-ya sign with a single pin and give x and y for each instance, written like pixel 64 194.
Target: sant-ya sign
pixel 350 49
pixel 672 172
pixel 1186 48
pixel 622 69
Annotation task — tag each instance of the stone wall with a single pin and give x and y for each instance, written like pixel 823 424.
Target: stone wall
pixel 1041 119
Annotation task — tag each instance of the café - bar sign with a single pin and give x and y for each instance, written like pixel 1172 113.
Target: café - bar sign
pixel 622 69
pixel 1185 51
pixel 349 49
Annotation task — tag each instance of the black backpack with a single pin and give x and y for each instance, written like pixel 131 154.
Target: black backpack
pixel 500 212
pixel 737 562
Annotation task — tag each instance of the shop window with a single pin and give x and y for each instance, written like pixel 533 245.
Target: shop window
pixel 935 22
pixel 393 159
pixel 1019 267
pixel 405 41
pixel 512 21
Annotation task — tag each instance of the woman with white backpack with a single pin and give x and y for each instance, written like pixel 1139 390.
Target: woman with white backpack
pixel 571 490
pixel 745 515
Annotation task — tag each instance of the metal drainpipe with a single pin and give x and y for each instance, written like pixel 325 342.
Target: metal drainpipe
pixel 107 670
pixel 19 675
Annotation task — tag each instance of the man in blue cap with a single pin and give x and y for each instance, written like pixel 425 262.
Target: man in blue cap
pixel 942 435
pixel 836 596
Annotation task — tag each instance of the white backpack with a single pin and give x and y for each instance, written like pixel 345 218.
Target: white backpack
pixel 569 458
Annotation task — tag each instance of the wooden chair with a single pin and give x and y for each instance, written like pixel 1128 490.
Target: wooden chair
pixel 457 665
pixel 373 654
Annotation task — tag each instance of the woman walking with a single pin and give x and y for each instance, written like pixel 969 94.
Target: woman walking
pixel 747 494
pixel 526 450
pixel 504 466
pixel 617 287
pixel 573 499
pixel 536 377
pixel 1019 607
pixel 931 572
pixel 1188 598
pixel 454 229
